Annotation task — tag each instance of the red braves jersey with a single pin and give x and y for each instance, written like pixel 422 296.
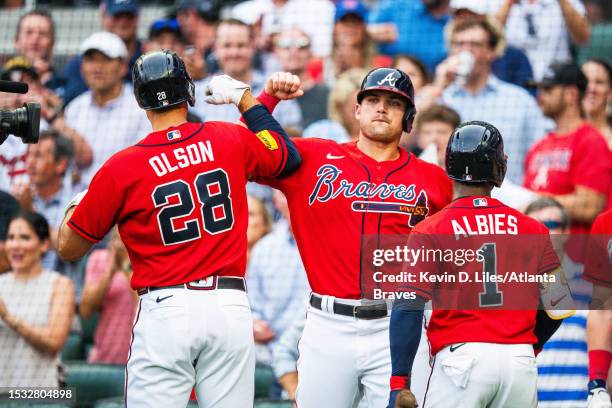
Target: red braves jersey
pixel 558 163
pixel 509 242
pixel 598 266
pixel 339 195
pixel 178 197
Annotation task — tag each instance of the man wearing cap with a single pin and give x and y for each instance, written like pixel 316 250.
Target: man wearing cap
pixel 121 18
pixel 167 34
pixel 107 115
pixel 198 21
pixel 572 163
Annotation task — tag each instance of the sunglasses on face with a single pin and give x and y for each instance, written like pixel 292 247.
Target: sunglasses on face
pixel 299 43
pixel 553 224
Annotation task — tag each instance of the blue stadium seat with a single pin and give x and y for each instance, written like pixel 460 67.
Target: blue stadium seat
pixel 95 381
pixel 73 348
pixel 600 45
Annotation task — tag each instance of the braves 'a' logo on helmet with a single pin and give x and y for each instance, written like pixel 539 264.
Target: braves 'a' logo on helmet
pixel 391 79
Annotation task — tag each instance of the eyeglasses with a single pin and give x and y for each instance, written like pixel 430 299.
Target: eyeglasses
pixel 553 224
pixel 299 43
pixel 471 44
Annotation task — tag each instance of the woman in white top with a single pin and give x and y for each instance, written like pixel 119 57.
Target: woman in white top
pixel 36 308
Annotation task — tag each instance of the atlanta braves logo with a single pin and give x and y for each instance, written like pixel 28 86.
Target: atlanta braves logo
pixel 329 187
pixel 391 79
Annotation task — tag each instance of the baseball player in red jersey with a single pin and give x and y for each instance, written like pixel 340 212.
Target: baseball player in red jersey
pixel 340 194
pixel 482 358
pixel 178 197
pixel 598 270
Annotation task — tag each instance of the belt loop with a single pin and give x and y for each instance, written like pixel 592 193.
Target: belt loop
pixel 327 304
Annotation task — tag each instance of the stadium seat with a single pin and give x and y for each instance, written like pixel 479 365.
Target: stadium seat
pixel 88 326
pixel 264 378
pixel 272 404
pixel 600 45
pixel 4 403
pixel 73 348
pixel 116 402
pixel 95 381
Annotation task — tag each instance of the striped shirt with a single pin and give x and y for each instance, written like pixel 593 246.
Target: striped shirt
pixel 277 282
pixel 563 363
pixel 509 108
pixel 109 128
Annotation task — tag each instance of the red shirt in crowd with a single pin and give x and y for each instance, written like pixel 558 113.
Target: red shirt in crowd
pixel 598 267
pixel 558 163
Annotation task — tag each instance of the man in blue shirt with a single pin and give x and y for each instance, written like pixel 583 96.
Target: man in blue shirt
pixel 412 27
pixel 470 88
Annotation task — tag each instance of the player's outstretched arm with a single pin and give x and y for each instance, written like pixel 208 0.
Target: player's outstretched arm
pixel 404 336
pixel 71 246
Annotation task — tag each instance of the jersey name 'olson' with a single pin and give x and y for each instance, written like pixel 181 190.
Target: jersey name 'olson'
pixel 194 153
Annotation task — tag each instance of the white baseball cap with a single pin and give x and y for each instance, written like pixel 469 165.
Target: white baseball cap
pixel 107 43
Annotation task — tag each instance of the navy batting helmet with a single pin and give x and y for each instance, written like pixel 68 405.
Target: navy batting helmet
pixel 161 80
pixel 391 80
pixel 475 154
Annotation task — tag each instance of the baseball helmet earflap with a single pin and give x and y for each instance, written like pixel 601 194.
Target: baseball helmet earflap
pixel 391 80
pixel 161 80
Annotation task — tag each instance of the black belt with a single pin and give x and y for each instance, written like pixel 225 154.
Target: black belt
pixel 369 312
pixel 218 282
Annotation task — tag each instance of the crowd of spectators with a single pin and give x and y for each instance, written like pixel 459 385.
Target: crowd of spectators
pixel 512 63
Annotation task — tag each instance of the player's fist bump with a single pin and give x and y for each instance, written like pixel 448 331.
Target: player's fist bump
pixel 284 85
pixel 223 89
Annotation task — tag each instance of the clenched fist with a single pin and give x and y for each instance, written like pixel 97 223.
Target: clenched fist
pixel 223 89
pixel 284 85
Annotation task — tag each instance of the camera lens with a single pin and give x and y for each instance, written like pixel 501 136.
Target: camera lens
pixel 23 122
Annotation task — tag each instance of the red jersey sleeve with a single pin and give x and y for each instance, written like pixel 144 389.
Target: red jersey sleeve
pixel 549 260
pixel 598 265
pixel 99 210
pixel 263 154
pixel 592 163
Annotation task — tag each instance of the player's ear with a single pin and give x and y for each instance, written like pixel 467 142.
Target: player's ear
pixel 357 111
pixel 124 68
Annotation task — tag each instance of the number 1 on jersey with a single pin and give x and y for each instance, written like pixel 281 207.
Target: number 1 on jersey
pixel 214 195
pixel 491 295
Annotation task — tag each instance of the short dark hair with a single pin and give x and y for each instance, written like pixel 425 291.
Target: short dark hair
pixel 547 202
pixel 417 63
pixel 604 63
pixel 39 11
pixel 438 113
pixel 63 147
pixel 38 223
pixel 482 22
pixel 237 22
